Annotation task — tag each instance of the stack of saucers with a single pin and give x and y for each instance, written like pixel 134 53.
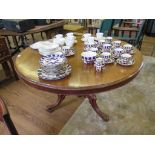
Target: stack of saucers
pixel 46 47
pixel 49 49
pixel 53 67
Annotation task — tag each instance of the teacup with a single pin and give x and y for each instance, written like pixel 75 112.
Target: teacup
pixel 66 49
pixel 59 40
pixel 106 47
pixel 58 55
pixel 93 49
pixel 127 47
pixel 126 58
pixel 69 42
pixel 70 38
pixel 90 40
pixel 59 36
pixel 99 62
pixel 117 43
pixel 106 56
pixel 99 35
pixel 108 39
pixel 89 45
pixel 86 36
pixel 69 34
pixel 117 52
pixel 101 42
pixel 88 57
pixel 98 68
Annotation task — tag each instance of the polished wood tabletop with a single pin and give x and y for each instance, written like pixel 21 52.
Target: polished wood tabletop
pixel 83 78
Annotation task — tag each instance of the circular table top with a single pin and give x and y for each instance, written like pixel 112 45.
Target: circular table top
pixel 83 78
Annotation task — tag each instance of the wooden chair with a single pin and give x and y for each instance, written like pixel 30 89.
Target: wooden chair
pixel 5 117
pixel 131 35
pixel 106 26
pixel 153 51
pixel 5 56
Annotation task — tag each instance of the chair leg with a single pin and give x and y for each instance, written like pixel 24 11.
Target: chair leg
pixel 12 65
pixel 139 45
pixel 8 41
pixel 42 36
pixel 6 69
pixel 33 39
pixel 153 50
pixel 10 124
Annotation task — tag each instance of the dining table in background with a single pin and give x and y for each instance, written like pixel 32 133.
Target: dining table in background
pixel 56 26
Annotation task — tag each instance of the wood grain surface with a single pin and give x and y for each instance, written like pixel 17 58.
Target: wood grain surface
pixel 83 78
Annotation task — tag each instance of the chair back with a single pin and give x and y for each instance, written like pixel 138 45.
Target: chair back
pixel 4 51
pixel 140 34
pixel 106 26
pixel 3 109
pixel 118 21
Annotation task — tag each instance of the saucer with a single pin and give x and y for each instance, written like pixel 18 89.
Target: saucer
pixel 36 45
pixel 96 39
pixel 124 64
pixel 59 76
pixel 46 61
pixel 72 52
pixel 83 39
pixel 131 52
pixel 113 47
pixel 115 56
pixel 110 61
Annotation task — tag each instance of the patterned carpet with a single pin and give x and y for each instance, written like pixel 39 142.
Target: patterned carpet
pixel 131 108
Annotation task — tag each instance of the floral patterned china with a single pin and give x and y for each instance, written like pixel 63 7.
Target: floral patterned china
pixel 43 75
pixel 88 57
pixel 119 61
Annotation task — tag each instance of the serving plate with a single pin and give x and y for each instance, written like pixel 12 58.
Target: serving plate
pixel 43 75
pixel 130 63
pixel 110 61
pixel 72 52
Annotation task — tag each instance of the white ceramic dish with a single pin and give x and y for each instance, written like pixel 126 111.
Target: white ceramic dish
pixel 59 76
pixel 72 52
pixel 96 39
pixel 130 63
pixel 109 61
pixel 88 57
pixel 130 52
pixel 36 45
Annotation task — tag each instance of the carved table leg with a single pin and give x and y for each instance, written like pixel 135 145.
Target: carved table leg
pixel 51 108
pixel 92 101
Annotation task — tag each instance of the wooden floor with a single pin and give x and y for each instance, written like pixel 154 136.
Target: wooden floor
pixel 147 45
pixel 27 105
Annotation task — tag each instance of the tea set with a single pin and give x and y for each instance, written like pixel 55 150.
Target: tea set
pixel 98 50
pixel 56 45
pixel 106 50
pixel 53 61
pixel 54 67
pixel 99 64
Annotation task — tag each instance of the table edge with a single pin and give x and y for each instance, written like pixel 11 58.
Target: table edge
pixel 79 90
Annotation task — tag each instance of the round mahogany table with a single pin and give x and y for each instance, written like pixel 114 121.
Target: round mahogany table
pixel 83 80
